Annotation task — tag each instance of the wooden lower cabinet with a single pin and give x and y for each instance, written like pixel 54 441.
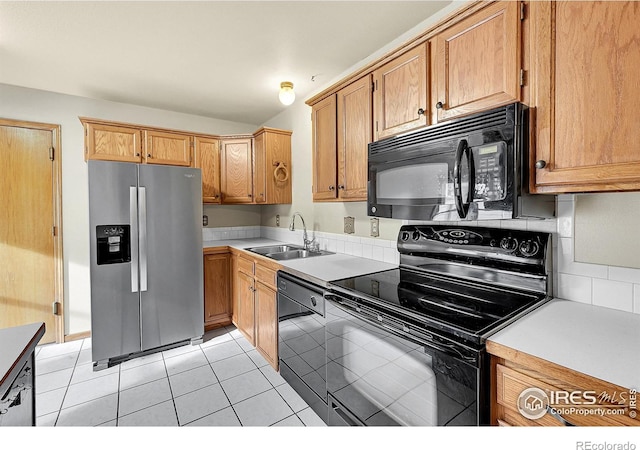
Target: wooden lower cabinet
pixel 558 395
pixel 217 289
pixel 255 303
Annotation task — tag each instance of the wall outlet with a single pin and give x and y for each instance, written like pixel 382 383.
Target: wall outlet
pixel 205 220
pixel 349 225
pixel 375 227
pixel 277 220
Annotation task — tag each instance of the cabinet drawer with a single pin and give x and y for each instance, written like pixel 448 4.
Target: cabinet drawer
pixel 511 383
pixel 266 276
pixel 246 265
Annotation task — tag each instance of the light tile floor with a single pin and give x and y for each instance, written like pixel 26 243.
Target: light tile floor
pixel 224 381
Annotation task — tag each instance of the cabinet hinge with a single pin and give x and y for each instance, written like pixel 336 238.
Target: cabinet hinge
pixel 522 77
pixel 376 125
pixel 375 85
pixel 53 230
pixel 523 9
pixel 56 308
pixel 51 153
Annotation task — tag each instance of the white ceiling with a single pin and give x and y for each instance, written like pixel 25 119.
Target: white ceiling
pixel 210 58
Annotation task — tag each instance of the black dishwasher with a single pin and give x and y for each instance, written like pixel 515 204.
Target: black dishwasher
pixel 301 340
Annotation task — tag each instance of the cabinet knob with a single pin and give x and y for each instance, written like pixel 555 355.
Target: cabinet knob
pixel 249 195
pixel 331 188
pixel 420 111
pixel 215 196
pixel 439 105
pixel 261 194
pixel 148 155
pixel 540 164
pixel 341 186
pixel 138 154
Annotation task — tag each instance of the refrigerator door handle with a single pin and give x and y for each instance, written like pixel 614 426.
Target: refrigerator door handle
pixel 142 223
pixel 133 220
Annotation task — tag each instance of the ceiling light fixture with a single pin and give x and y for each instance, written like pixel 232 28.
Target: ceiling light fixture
pixel 286 95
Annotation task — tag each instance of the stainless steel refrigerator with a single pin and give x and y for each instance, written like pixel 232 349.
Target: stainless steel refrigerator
pixel 146 259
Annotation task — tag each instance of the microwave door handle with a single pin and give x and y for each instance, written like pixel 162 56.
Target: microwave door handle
pixel 457 179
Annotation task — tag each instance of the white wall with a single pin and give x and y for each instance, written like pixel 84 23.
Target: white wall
pixel 41 106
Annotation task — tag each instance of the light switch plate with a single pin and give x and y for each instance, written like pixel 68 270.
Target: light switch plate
pixel 349 225
pixel 277 220
pixel 205 220
pixel 375 227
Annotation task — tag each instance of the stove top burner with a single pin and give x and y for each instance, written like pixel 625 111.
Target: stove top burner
pixel 456 307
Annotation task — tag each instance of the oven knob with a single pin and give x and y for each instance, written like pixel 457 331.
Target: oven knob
pixel 509 244
pixel 529 248
pixel 415 235
pixel 314 302
pixel 404 236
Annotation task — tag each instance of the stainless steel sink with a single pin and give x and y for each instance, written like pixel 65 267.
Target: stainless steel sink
pixel 274 249
pixel 286 252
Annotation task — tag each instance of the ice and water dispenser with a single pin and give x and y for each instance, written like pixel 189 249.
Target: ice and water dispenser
pixel 114 244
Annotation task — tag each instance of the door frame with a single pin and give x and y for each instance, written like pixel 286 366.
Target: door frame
pixel 56 176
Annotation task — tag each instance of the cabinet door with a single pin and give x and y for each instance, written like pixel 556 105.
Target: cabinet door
pixel 236 180
pixel 323 116
pixel 278 166
pixel 400 96
pixel 217 292
pixel 266 323
pixel 354 136
pixel 244 299
pixel 167 148
pixel 112 143
pixel 585 90
pixel 477 62
pixel 208 161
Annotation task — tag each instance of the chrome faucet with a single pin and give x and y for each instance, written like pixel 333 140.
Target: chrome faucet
pixel 307 244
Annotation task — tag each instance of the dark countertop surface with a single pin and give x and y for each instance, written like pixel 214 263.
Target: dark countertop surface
pixel 16 346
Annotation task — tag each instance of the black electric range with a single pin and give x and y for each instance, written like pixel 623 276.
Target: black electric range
pixel 454 287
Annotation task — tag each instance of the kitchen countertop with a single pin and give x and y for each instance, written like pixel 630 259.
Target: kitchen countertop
pixel 317 269
pixel 18 343
pixel 600 342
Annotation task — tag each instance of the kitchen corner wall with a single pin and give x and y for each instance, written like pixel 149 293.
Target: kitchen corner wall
pixel 42 106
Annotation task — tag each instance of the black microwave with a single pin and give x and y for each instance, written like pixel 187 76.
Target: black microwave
pixel 472 168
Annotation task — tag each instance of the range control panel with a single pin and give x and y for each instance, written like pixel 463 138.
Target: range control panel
pixel 473 242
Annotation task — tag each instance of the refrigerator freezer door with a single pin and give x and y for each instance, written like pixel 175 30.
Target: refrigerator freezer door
pixel 172 306
pixel 115 309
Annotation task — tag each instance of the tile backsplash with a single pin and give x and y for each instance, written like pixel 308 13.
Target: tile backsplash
pixel 601 285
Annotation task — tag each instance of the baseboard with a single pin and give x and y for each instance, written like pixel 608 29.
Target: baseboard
pixel 77 336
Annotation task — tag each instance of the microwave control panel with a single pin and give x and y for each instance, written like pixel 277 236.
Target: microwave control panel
pixel 491 171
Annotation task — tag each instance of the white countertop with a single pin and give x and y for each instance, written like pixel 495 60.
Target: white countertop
pixel 317 269
pixel 601 342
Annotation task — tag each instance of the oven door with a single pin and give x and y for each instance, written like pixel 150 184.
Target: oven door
pixel 376 377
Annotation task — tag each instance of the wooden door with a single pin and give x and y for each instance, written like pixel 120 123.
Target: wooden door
pixel 400 96
pixel 323 116
pixel 30 233
pixel 161 147
pixel 478 62
pixel 246 307
pixel 585 91
pixel 266 323
pixel 217 292
pixel 112 143
pixel 208 161
pixel 354 136
pixel 236 180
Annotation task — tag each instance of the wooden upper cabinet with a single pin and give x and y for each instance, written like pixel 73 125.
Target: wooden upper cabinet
pixel 355 117
pixel 585 89
pixel 477 62
pixel 400 96
pixel 236 178
pixel 323 116
pixel 207 156
pixel 162 147
pixel 112 142
pixel 272 166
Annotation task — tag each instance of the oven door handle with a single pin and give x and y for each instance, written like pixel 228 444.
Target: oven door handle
pixel 462 205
